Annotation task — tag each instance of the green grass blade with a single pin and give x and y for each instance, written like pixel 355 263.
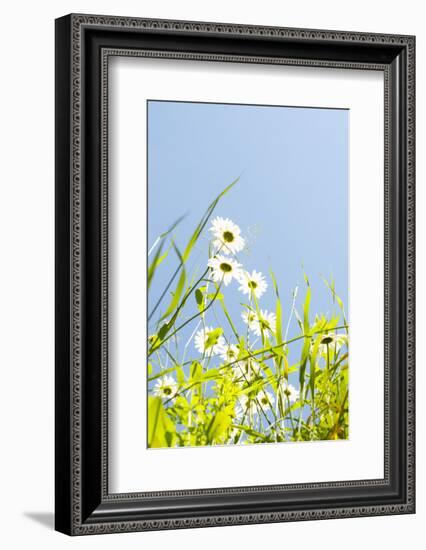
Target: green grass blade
pixel 176 295
pixel 163 373
pixel 156 262
pixel 162 236
pixel 190 245
pixel 306 307
pixel 218 425
pixel 161 431
pixel 331 286
pixel 249 431
pixel 278 314
pixel 198 230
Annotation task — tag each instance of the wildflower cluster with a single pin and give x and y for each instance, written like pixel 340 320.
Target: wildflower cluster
pixel 240 386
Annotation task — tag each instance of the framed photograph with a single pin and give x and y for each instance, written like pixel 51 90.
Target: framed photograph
pixel 234 274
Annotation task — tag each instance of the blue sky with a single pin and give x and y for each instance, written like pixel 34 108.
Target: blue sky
pixel 291 201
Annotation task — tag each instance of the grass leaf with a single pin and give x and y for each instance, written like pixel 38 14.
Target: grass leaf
pixel 158 258
pixel 176 294
pixel 161 431
pixel 218 425
pixel 278 313
pixel 212 337
pixel 202 223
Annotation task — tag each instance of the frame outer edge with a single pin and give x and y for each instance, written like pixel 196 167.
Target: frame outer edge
pixel 77 257
pixel 411 272
pixel 77 22
pixel 63 495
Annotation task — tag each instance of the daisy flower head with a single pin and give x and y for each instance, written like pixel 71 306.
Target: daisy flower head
pixel 229 353
pixel 165 387
pixel 288 391
pixel 246 370
pixel 332 342
pixel 250 318
pixel 209 341
pixel 265 399
pixel 266 321
pixel 258 323
pixel 224 269
pixel 244 407
pixel 227 235
pixel 253 284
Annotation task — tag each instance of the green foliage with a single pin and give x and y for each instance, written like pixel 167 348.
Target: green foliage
pixel 218 426
pixel 161 430
pixel 241 388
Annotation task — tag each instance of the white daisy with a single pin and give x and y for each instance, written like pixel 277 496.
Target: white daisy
pixel 227 235
pixel 224 269
pixel 208 342
pixel 265 322
pixel 250 318
pixel 288 391
pixel 229 353
pixel 331 341
pixel 253 284
pixel 245 407
pixel 246 369
pixel 165 387
pixel 265 399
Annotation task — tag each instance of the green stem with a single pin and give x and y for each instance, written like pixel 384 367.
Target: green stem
pixel 271 348
pixel 184 324
pixel 165 291
pixel 291 416
pixel 342 408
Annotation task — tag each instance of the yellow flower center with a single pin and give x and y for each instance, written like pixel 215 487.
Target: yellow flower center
pixel 167 391
pixel 327 340
pixel 211 339
pixel 228 236
pixel 226 268
pixel 252 284
pixel 264 324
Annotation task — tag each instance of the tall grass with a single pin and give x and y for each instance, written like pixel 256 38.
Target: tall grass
pixel 235 380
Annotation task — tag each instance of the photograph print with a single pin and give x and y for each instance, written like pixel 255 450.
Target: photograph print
pixel 247 274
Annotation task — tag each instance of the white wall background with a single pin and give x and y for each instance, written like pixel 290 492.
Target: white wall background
pixel 27 245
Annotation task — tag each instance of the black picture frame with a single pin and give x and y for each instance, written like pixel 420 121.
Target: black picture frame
pixel 83 45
